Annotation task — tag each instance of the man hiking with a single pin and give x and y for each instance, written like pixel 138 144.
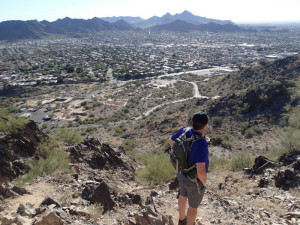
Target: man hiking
pixel 193 189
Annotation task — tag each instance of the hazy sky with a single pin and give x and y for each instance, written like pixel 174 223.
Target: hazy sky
pixel 235 10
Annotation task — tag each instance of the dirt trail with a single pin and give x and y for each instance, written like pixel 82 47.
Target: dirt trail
pixel 39 191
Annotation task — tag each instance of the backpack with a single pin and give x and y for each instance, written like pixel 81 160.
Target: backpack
pixel 178 154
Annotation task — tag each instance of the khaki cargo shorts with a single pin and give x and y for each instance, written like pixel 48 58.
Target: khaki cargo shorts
pixel 193 191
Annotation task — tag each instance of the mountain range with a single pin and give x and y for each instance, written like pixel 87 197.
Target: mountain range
pixel 185 16
pixel 184 22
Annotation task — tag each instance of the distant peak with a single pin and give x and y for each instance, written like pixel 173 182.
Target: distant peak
pixel 185 12
pixel 167 15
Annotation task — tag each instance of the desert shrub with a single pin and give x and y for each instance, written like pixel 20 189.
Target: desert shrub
pixel 217 121
pixel 226 144
pixel 224 139
pixel 125 135
pixel 158 168
pixel 69 136
pixel 249 133
pixel 245 108
pixel 52 159
pixel 10 124
pixel 240 161
pixel 216 164
pixel 257 130
pixel 91 129
pixel 263 98
pixel 170 112
pixel 119 130
pixel 244 126
pixel 275 152
pixel 290 141
pixel 129 147
pixel 84 103
pixel 164 142
pixel 95 211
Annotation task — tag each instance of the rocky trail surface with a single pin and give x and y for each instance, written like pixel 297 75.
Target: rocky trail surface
pixel 102 190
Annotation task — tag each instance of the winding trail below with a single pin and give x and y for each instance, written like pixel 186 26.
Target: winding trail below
pixel 196 94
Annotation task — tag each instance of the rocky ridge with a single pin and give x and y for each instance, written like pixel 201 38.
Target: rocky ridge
pixel 18 150
pixel 102 190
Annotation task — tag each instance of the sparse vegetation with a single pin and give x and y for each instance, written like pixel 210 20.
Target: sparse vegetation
pixel 10 124
pixel 129 147
pixel 224 139
pixel 290 134
pixel 158 168
pixel 217 164
pixel 69 136
pixel 217 121
pixel 52 158
pixel 240 161
pixel 95 211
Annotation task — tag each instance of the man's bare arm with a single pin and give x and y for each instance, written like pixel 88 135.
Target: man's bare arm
pixel 171 142
pixel 201 172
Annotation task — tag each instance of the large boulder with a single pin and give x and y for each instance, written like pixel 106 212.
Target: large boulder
pixel 50 217
pixel 261 163
pixel 99 194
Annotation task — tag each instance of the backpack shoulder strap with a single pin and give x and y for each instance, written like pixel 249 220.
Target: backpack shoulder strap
pixel 193 139
pixel 186 129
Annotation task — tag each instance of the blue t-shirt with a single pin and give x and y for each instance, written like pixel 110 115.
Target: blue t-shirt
pixel 199 149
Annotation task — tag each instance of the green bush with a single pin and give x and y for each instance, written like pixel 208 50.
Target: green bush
pixel 226 144
pixel 263 98
pixel 240 161
pixel 249 133
pixel 129 147
pixel 217 121
pixel 217 164
pixel 244 126
pixel 125 135
pixel 245 108
pixel 10 124
pixel 119 130
pixel 84 103
pixel 91 129
pixel 225 140
pixel 69 136
pixel 291 140
pixel 164 142
pixel 257 130
pixel 52 159
pixel 158 168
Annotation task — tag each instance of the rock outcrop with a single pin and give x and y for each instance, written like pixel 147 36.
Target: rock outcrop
pixel 261 163
pixel 18 150
pixel 283 174
pixel 100 156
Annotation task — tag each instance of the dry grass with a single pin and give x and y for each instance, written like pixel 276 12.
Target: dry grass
pixel 231 184
pixel 62 177
pixel 269 206
pixel 95 211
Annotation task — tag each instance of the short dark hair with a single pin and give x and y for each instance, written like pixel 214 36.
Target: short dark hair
pixel 199 119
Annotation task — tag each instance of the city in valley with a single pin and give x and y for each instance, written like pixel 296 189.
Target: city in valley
pixel 90 79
